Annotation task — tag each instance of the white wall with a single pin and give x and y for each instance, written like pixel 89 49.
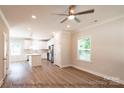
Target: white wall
pixel 50 42
pixel 3 28
pixel 107 49
pixel 66 48
pixel 62 49
pixel 57 49
pixel 18 58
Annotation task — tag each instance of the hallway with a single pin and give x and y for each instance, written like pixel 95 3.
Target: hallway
pixel 50 75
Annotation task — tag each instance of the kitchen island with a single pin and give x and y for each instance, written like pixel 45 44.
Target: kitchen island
pixel 34 59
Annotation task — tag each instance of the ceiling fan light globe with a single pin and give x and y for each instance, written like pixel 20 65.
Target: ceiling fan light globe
pixel 71 17
pixel 72 11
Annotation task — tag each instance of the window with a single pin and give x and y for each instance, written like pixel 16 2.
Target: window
pixel 84 49
pixel 15 48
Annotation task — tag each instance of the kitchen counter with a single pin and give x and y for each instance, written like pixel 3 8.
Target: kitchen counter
pixel 34 59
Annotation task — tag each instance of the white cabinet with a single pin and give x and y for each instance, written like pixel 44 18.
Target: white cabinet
pixel 43 45
pixel 27 44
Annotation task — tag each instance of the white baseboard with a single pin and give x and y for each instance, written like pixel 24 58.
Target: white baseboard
pixel 115 79
pixel 66 66
pixel 14 61
pixel 2 80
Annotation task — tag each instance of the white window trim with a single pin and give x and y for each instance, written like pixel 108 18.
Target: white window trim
pixel 87 61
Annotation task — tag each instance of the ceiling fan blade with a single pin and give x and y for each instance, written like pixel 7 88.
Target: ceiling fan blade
pixel 61 14
pixel 64 20
pixel 77 20
pixel 85 12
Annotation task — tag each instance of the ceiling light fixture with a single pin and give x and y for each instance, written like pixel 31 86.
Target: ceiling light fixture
pixel 68 26
pixel 72 11
pixel 33 16
pixel 71 17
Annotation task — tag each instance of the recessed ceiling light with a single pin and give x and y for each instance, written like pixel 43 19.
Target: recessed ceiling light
pixel 68 26
pixel 54 33
pixel 33 16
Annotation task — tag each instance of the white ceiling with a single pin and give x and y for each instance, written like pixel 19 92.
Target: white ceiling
pixel 19 19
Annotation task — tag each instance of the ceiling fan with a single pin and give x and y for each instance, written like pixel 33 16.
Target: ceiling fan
pixel 72 15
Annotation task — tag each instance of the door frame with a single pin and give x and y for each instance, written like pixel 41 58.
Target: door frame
pixel 3 57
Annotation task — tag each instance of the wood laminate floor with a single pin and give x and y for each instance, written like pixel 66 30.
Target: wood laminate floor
pixel 21 75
